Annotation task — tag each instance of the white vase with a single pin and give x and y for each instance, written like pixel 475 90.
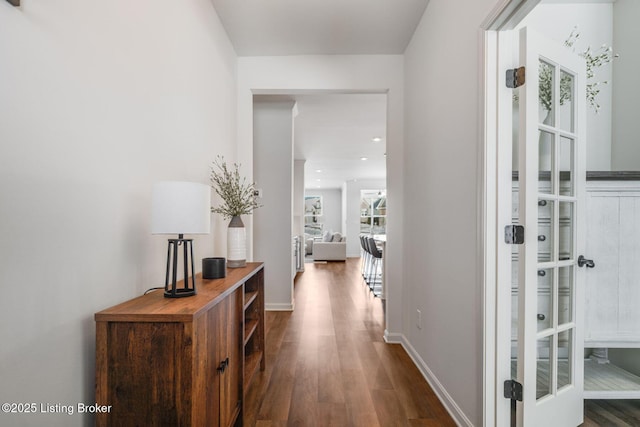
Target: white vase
pixel 236 243
pixel 545 143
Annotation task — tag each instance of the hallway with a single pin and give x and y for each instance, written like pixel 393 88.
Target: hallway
pixel 327 364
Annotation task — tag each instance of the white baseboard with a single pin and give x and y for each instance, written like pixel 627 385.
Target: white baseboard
pixel 278 307
pixel 394 338
pixel 447 401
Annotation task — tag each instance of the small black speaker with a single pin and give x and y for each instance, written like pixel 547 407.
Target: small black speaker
pixel 214 268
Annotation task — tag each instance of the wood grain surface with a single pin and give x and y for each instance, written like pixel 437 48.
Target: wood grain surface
pixel 328 363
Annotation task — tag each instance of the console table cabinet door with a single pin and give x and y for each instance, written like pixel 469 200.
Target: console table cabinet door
pixel 149 354
pixel 218 361
pixel 230 353
pixel 206 378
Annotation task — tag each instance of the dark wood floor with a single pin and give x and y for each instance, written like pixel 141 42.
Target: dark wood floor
pixel 327 364
pixel 618 413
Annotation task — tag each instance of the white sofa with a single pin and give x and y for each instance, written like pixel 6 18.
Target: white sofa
pixel 308 244
pixel 334 250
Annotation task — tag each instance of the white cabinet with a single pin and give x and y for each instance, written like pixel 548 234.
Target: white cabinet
pixel 544 249
pixel 612 314
pixel 612 288
pixel 612 311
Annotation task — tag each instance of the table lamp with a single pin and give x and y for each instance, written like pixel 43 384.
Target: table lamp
pixel 180 208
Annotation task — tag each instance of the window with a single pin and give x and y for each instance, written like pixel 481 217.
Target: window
pixel 373 212
pixel 313 225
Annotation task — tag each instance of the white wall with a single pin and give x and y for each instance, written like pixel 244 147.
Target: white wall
pixel 442 136
pixel 353 197
pixel 273 173
pixel 626 90
pixel 595 24
pixel 98 100
pixel 336 74
pixel 331 208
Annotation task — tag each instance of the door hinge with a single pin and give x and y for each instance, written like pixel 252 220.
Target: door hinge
pixel 515 77
pixel 513 390
pixel 514 234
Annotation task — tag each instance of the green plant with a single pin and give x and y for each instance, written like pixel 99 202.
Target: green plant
pixel 545 83
pixel 593 60
pixel 237 195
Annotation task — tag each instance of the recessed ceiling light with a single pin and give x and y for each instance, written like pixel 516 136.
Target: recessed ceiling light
pixel 364 158
pixel 376 139
pixel 318 179
pixel 318 170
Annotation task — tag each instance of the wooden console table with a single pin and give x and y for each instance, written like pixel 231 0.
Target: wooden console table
pixel 182 362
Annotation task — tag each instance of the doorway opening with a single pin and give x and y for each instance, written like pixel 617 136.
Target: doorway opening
pixel 312 154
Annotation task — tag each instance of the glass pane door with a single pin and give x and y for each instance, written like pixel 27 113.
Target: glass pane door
pixel 549 334
pixel 555 238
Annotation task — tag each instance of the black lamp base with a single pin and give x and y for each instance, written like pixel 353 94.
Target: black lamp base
pixel 179 293
pixel 170 289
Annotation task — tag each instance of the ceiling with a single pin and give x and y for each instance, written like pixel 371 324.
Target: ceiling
pixel 332 132
pixel 312 27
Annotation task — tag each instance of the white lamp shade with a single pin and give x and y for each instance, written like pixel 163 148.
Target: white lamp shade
pixel 180 208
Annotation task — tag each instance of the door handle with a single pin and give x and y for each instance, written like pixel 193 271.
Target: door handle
pixel 223 365
pixel 582 261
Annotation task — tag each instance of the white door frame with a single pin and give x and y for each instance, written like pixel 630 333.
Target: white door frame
pixel 496 105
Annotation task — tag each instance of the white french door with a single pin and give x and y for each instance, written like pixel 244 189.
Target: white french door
pixel 551 163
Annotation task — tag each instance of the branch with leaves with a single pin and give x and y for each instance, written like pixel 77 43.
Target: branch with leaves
pixel 593 60
pixel 237 195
